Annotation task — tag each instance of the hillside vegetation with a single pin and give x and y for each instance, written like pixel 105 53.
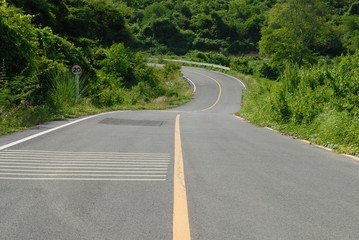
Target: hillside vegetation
pixel 319 103
pixel 302 56
pixel 314 47
pixel 41 40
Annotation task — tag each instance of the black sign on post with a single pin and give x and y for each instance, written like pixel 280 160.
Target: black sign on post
pixel 77 70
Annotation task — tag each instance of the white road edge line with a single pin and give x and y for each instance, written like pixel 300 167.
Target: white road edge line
pixel 192 83
pixel 273 130
pixel 240 118
pixel 232 78
pixel 355 158
pixel 48 131
pixel 302 140
pixel 318 146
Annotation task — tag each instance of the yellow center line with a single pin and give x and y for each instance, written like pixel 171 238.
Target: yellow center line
pixel 219 91
pixel 181 229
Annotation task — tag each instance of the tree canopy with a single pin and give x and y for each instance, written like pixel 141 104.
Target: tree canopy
pixel 228 26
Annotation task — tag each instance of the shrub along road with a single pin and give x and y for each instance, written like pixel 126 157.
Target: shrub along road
pixel 119 176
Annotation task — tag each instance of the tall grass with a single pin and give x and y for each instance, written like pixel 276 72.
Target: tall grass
pixel 62 92
pixel 320 103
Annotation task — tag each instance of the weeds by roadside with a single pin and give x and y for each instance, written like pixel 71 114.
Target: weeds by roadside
pixel 320 103
pixel 169 91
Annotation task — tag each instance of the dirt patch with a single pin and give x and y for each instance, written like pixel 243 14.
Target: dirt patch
pixel 161 99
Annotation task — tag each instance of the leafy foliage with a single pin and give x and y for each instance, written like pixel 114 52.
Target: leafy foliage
pixel 96 20
pixel 297 30
pixel 351 38
pixel 320 102
pixel 41 40
pixel 215 25
pixel 18 40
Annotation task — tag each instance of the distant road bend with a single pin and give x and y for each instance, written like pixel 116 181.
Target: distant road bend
pixel 193 172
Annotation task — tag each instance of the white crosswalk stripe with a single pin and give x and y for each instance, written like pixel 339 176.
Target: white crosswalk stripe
pixel 85 166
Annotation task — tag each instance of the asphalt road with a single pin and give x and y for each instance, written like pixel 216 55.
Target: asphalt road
pixel 112 176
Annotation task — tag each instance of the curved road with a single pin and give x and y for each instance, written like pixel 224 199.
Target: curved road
pixel 120 176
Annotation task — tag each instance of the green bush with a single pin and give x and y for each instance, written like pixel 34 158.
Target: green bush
pixel 208 57
pixel 172 67
pixel 112 96
pixel 339 130
pixel 255 66
pixel 320 103
pixel 18 38
pixel 241 64
pixel 122 66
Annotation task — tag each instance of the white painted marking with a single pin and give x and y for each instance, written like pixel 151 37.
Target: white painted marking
pixel 95 168
pixel 48 131
pixel 61 159
pixel 91 153
pixel 7 154
pixel 240 118
pixel 70 174
pixel 317 146
pixel 99 161
pixel 351 156
pixel 193 84
pixel 271 129
pixel 83 158
pixel 233 78
pixel 322 147
pixel 84 179
pixel 219 94
pixel 85 164
pixel 79 171
pixel 305 141
pixel 43 165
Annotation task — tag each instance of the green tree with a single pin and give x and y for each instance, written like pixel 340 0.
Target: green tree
pixel 46 13
pixel 351 28
pixel 18 38
pixel 96 20
pixel 121 67
pixel 246 17
pixel 155 11
pixel 297 30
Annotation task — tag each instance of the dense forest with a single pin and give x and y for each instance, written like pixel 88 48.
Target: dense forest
pixel 303 55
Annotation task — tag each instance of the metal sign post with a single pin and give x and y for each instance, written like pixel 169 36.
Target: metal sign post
pixel 77 70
